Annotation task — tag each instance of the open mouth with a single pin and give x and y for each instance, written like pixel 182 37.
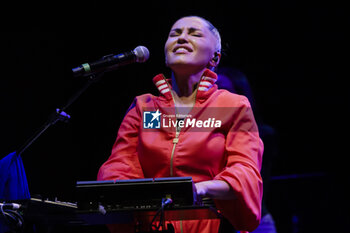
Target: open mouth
pixel 182 49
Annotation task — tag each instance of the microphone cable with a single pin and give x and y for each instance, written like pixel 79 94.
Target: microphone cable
pixel 165 202
pixel 12 218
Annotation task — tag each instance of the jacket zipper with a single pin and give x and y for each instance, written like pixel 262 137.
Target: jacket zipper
pixel 176 139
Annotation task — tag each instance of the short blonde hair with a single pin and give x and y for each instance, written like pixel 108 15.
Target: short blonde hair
pixel 216 33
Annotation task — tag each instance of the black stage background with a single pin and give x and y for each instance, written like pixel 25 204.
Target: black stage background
pixel 293 53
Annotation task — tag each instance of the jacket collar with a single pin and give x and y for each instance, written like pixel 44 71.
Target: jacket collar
pixel 205 88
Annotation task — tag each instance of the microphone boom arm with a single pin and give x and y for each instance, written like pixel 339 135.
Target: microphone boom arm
pixel 59 114
pixel 94 71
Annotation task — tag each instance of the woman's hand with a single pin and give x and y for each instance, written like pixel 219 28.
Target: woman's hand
pixel 216 189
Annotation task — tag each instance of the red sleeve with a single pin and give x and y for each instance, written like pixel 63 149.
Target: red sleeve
pixel 124 162
pixel 242 172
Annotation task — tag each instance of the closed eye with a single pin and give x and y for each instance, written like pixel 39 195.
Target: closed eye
pixel 197 34
pixel 175 32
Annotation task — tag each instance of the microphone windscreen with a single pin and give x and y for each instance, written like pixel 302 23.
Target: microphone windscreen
pixel 142 53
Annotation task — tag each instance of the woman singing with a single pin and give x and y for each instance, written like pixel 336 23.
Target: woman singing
pixel 222 153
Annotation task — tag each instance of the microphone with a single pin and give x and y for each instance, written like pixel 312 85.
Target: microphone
pixel 111 62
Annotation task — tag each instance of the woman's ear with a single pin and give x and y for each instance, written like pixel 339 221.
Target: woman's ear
pixel 214 62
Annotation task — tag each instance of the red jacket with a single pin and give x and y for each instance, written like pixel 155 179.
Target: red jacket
pixel 228 149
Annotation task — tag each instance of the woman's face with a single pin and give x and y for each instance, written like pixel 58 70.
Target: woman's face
pixel 190 44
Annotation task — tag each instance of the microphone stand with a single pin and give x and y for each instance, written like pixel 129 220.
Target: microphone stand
pixel 60 114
